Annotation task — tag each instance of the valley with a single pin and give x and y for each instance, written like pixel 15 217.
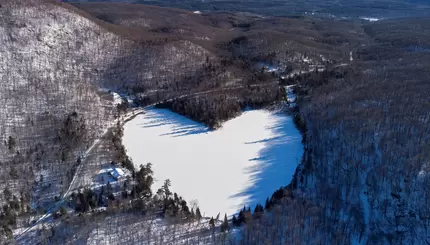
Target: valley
pixel 340 9
pixel 271 127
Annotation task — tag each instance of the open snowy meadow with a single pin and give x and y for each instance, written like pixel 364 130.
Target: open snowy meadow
pixel 242 163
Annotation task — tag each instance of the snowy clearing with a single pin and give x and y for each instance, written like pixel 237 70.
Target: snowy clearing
pixel 242 163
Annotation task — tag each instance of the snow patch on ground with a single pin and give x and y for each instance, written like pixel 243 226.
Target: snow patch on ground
pixel 267 67
pixel 371 19
pixel 242 163
pixel 424 171
pixel 117 99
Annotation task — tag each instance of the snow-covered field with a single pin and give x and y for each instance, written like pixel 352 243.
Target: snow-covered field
pixel 242 163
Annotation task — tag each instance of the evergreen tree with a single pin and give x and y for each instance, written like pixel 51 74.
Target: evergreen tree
pixel 111 197
pixel 100 199
pixel 108 188
pixel 145 180
pixel 198 214
pixel 212 222
pixel 185 208
pixel 225 224
pixel 82 204
pixel 234 221
pixel 192 214
pixel 268 204
pixel 133 193
pixel 11 142
pixel 166 185
pixel 91 198
pixel 258 211
pixel 241 217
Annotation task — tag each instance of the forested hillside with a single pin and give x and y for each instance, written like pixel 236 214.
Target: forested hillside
pixel 368 139
pixel 51 108
pixel 333 9
pixel 362 107
pixel 55 66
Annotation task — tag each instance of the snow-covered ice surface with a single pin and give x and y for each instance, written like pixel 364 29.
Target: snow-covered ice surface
pixel 242 163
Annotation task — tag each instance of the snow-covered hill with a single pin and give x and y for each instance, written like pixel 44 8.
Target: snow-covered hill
pixel 46 67
pixel 54 60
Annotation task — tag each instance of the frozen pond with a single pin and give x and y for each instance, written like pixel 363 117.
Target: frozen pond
pixel 240 164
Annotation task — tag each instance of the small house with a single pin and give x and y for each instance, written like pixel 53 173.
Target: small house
pixel 116 173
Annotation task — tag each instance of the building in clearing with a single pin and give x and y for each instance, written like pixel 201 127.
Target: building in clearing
pixel 116 173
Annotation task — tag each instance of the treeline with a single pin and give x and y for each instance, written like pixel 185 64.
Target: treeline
pixel 210 111
pixel 317 77
pixel 138 187
pixel 121 154
pixel 135 194
pixel 213 109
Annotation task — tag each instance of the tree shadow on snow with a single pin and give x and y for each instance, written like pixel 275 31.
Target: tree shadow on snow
pixel 276 162
pixel 181 126
pixel 273 167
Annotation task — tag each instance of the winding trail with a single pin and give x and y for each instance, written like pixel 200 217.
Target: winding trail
pixel 58 204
